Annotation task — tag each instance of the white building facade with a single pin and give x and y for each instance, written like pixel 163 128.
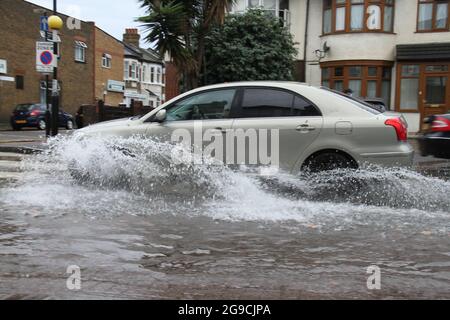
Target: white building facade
pixel 395 50
pixel 144 73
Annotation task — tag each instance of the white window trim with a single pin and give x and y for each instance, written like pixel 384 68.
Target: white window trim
pixel 106 61
pixel 81 46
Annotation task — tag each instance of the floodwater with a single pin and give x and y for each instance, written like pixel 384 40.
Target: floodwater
pixel 140 225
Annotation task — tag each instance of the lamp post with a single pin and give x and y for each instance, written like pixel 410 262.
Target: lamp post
pixel 55 24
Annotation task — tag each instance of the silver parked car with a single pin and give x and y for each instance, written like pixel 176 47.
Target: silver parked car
pixel 316 128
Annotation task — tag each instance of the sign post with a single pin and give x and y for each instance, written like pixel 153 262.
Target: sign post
pixel 45 57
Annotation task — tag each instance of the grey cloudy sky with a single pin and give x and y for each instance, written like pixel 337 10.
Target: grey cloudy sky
pixel 113 16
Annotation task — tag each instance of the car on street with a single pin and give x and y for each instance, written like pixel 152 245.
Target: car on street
pixel 436 140
pixel 33 115
pixel 318 129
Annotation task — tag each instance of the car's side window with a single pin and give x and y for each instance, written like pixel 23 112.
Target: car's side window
pixel 267 103
pixel 203 106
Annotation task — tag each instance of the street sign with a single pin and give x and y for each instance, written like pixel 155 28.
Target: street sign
pixel 44 23
pixel 45 59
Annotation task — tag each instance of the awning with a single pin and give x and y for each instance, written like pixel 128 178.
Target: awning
pixel 426 51
pixel 81 44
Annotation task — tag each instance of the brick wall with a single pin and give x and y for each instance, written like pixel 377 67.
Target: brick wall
pixel 104 43
pixel 172 81
pixel 19 31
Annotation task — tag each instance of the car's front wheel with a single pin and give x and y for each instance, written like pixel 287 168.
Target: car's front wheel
pixel 41 125
pixel 327 161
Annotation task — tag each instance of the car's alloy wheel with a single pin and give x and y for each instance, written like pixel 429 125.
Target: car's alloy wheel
pixel 69 125
pixel 41 125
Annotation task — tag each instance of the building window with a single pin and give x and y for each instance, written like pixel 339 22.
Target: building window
pixel 152 74
pixel 409 87
pixel 20 82
pixel 358 16
pixel 368 79
pixel 80 51
pixel 275 8
pixel 158 75
pixel 126 66
pixel 106 61
pixel 433 15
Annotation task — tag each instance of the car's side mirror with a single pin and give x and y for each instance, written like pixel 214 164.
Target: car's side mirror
pixel 161 116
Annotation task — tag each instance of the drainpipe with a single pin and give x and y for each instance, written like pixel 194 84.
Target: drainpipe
pixel 306 39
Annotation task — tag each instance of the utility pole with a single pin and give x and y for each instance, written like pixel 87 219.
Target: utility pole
pixel 47 96
pixel 55 94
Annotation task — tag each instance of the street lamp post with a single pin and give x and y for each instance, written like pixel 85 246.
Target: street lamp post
pixel 55 23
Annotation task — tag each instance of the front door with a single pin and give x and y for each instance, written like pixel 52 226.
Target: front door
pixel 435 90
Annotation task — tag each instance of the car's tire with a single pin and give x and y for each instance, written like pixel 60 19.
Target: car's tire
pixel 69 125
pixel 327 161
pixel 41 125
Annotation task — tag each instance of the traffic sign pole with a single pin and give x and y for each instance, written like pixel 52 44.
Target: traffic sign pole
pixel 55 97
pixel 47 93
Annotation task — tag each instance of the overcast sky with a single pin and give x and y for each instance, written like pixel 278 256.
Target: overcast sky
pixel 113 16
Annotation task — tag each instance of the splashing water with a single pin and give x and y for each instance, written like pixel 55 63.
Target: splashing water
pixel 139 176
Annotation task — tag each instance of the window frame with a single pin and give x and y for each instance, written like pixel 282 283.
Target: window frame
pixel 348 11
pixel 364 77
pixel 189 96
pixel 106 61
pixel 433 18
pixel 81 46
pixel 236 111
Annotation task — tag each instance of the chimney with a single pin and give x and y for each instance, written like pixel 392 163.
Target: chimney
pixel 131 36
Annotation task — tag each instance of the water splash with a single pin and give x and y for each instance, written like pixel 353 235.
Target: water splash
pixel 138 176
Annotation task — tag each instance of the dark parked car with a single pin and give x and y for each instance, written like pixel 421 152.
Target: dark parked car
pixel 33 115
pixel 436 140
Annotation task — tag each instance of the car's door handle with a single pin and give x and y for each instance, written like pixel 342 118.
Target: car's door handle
pixel 305 128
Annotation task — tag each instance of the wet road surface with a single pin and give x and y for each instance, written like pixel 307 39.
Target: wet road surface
pixel 142 229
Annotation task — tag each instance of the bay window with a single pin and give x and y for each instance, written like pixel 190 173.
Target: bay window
pixel 365 79
pixel 358 16
pixel 275 8
pixel 433 15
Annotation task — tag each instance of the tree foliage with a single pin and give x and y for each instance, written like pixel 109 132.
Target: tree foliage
pixel 179 28
pixel 248 47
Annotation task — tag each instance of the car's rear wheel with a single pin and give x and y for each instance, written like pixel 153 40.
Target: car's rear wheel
pixel 41 125
pixel 329 160
pixel 69 125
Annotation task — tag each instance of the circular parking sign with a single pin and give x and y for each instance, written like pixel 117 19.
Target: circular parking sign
pixel 46 58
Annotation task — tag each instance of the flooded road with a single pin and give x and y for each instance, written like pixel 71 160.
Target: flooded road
pixel 141 226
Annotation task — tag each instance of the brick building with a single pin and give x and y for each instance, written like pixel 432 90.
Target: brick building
pixel 90 67
pixel 108 73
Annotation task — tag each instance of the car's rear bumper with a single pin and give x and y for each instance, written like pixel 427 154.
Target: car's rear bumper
pixel 27 122
pixel 435 144
pixel 403 156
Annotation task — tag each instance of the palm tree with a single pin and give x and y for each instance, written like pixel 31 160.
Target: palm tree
pixel 178 28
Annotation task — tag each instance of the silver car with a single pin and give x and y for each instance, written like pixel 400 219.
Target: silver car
pixel 316 128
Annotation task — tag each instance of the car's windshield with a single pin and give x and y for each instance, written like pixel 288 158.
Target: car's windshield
pixel 24 107
pixel 355 101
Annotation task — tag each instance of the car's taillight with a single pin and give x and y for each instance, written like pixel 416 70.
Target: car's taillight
pixel 400 128
pixel 440 124
pixel 34 113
